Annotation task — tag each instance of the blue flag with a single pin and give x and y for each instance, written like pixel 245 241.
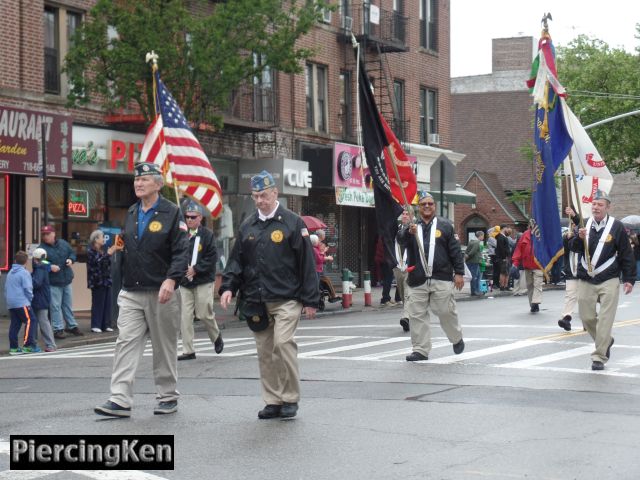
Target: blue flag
pixel 552 145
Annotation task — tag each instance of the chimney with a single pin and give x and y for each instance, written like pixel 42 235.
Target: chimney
pixel 510 54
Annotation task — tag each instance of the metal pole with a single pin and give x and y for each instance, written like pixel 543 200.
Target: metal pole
pixel 442 167
pixel 43 175
pixel 611 119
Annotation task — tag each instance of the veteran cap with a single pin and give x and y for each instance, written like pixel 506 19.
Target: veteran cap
pixel 142 169
pixel 262 181
pixel 194 207
pixel 424 194
pixel 601 195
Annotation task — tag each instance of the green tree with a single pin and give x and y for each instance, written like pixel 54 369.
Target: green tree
pixel 205 49
pixel 603 82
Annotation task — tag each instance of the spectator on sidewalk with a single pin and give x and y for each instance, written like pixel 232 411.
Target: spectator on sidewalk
pixel 325 281
pixel 523 257
pixel 60 253
pixel 473 257
pixel 42 296
pixel 99 281
pixel 503 255
pixel 196 287
pixel 18 294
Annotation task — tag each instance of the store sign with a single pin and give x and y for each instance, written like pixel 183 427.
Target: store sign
pixel 292 177
pixel 102 151
pixel 78 205
pixel 21 140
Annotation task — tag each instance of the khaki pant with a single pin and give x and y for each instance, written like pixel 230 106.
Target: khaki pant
pixel 142 317
pixel 534 285
pixel 278 354
pixel 437 295
pixel 570 297
pixel 520 285
pixel 403 289
pixel 599 324
pixel 197 301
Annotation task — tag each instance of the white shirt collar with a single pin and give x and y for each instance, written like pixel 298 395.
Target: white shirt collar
pixel 264 218
pixel 600 225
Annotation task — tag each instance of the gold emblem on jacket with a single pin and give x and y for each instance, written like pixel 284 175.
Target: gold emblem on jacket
pixel 609 238
pixel 155 226
pixel 438 233
pixel 277 236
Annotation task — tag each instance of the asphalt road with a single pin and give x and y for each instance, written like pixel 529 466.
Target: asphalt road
pixel 520 402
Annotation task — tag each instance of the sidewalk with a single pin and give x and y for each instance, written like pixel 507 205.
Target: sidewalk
pixel 226 319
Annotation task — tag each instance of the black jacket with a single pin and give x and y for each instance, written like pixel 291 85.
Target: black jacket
pixel 447 260
pixel 273 261
pixel 205 266
pixel 161 253
pixel 618 245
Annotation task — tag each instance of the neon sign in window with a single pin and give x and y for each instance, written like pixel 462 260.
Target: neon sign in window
pixel 78 204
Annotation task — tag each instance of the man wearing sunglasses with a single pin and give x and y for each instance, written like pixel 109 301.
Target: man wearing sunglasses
pixel 196 287
pixel 435 265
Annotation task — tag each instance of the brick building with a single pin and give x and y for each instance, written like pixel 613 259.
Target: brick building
pixel 291 124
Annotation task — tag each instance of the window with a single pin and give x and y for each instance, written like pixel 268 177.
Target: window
pixel 346 104
pixel 316 96
pixel 262 91
pixel 59 27
pixel 398 111
pixel 429 24
pixel 428 115
pixel 51 51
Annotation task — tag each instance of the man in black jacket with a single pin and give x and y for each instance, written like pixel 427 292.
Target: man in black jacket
pixel 154 261
pixel 272 265
pixel 436 265
pixel 196 288
pixel 610 255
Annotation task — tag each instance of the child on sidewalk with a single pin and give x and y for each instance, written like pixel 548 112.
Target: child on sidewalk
pixel 42 296
pixel 19 292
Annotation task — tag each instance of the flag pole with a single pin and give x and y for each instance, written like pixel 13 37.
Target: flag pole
pixel 153 58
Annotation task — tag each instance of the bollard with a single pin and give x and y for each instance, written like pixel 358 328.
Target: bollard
pixel 367 288
pixel 346 288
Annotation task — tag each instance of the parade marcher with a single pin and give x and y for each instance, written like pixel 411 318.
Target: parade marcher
pixel 154 260
pixel 570 269
pixel 473 258
pixel 99 281
pixel 400 273
pixel 434 270
pixel 523 257
pixel 610 256
pixel 60 253
pixel 196 288
pixel 272 266
pixel 385 274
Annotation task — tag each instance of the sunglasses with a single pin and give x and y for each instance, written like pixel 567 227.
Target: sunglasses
pixel 191 217
pixel 427 204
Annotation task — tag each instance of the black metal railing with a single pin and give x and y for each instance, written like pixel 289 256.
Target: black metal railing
pixel 253 104
pixel 386 26
pixel 401 128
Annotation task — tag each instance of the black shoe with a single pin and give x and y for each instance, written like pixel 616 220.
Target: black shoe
pixel 110 409
pixel 270 411
pixel 608 354
pixel 75 331
pixel 164 408
pixel 335 299
pixel 219 344
pixel 458 348
pixel 59 334
pixel 187 356
pixel 288 410
pixel 597 365
pixel 565 323
pixel 404 322
pixel 416 357
pixel 535 307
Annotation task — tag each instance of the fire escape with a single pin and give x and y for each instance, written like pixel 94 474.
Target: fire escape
pixel 379 33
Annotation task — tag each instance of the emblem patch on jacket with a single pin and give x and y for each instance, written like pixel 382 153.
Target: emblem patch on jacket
pixel 438 233
pixel 277 236
pixel 155 226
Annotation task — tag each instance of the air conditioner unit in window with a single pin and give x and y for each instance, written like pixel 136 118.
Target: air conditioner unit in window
pixel 434 139
pixel 326 15
pixel 347 23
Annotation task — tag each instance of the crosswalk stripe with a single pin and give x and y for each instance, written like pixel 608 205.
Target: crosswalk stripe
pixel 352 347
pixel 406 350
pixel 553 357
pixel 487 351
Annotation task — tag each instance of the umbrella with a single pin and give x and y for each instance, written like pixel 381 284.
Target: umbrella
pixel 313 223
pixel 631 221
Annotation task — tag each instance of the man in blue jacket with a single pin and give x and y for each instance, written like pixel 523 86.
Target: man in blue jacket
pixel 19 292
pixel 60 253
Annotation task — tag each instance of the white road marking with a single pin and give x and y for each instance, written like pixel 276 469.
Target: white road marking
pixel 552 357
pixel 352 347
pixel 487 351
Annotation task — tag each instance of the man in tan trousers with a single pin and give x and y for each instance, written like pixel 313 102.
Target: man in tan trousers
pixel 155 259
pixel 436 267
pixel 272 266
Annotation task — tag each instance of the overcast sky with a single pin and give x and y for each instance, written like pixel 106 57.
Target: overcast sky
pixel 475 22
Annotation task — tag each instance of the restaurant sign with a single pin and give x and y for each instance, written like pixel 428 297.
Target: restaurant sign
pixel 20 142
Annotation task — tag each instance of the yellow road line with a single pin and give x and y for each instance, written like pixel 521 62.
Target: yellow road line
pixel 559 336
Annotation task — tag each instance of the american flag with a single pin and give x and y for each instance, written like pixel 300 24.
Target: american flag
pixel 170 143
